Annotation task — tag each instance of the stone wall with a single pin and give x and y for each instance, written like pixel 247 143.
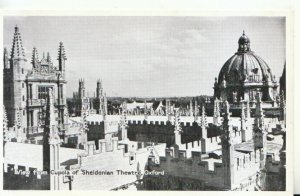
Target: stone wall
pixel 117 158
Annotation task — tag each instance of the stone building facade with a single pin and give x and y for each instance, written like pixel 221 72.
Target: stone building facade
pixel 26 84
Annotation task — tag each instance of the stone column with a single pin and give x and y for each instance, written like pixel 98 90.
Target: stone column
pixel 54 165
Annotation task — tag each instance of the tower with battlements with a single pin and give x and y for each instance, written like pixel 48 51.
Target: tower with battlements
pixel 83 100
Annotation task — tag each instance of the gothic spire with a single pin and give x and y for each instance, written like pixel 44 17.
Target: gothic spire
pixel 5 51
pixel 17 50
pixel 49 58
pixel 61 52
pixel 50 123
pixel 177 122
pixel 196 111
pixel 191 107
pixel 178 129
pixel 34 57
pixel 61 57
pixel 203 118
pixel 124 124
pixel 99 83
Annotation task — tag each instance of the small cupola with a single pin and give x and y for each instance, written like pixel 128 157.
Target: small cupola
pixel 244 43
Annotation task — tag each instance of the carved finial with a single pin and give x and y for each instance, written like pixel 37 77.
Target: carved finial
pixel 17 51
pixel 48 58
pixel 35 57
pixel 61 52
pixel 124 123
pixel 5 51
pixel 203 117
pixel 16 29
pixel 177 122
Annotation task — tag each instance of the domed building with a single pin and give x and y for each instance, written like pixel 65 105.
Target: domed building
pixel 244 75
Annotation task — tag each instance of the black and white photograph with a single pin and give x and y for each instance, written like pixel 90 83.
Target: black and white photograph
pixel 150 103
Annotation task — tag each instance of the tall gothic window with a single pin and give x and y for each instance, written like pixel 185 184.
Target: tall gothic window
pixel 43 91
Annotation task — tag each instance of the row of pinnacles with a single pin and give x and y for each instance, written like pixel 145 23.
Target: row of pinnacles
pixel 236 169
pixel 110 144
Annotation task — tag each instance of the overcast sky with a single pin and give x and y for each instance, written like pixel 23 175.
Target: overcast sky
pixel 149 56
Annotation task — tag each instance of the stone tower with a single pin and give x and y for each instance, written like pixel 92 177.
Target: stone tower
pixel 61 82
pixel 99 97
pixel 62 59
pixel 100 102
pixel 81 89
pixel 15 71
pixel 99 89
pixel 84 102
